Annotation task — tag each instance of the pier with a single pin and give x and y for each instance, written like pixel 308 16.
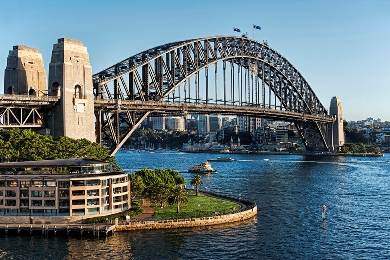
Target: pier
pixel 58 230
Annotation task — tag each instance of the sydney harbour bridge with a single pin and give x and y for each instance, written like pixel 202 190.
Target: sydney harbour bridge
pixel 215 75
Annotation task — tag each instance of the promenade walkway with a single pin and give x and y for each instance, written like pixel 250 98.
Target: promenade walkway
pixel 148 213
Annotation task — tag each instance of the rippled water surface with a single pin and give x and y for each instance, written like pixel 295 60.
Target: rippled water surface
pixel 289 191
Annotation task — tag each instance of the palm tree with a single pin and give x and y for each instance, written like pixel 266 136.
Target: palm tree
pixel 178 196
pixel 197 181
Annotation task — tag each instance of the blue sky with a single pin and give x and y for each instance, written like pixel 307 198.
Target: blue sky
pixel 342 48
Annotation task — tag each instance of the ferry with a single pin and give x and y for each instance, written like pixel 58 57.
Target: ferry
pixel 204 167
pixel 221 159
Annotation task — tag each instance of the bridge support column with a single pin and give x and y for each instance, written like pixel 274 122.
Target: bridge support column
pixel 335 133
pixel 70 76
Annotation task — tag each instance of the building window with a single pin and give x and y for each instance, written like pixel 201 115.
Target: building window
pixel 78 202
pixel 12 184
pixel 10 193
pixel 50 203
pixel 37 183
pixel 64 203
pixel 64 193
pixel 78 212
pixel 78 183
pixel 93 182
pixel 93 192
pixel 50 193
pixel 93 211
pixel 24 194
pixel 78 92
pixel 10 203
pixel 36 203
pixel 78 192
pixel 93 202
pixel 50 184
pixel 24 184
pixel 63 184
pixel 24 203
pixel 36 193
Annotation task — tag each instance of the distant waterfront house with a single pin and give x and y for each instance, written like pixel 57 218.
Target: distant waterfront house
pixel 69 189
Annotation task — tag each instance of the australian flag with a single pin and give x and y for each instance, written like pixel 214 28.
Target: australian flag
pixel 236 29
pixel 257 27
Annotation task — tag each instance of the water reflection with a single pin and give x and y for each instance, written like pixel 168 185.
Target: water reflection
pixel 289 191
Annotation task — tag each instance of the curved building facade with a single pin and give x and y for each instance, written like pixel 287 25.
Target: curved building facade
pixel 67 189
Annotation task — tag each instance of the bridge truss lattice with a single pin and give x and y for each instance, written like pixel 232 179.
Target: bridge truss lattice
pixel 220 75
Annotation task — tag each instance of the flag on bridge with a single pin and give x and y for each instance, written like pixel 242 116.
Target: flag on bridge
pixel 236 29
pixel 256 27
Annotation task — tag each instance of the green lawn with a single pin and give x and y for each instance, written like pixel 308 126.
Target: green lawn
pixel 198 206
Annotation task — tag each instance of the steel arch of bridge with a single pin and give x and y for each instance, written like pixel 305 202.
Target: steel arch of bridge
pixel 146 83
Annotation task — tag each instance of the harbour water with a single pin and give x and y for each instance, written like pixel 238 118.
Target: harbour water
pixel 289 191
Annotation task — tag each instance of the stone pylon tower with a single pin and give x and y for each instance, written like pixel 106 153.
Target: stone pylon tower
pixel 336 129
pixel 70 78
pixel 25 73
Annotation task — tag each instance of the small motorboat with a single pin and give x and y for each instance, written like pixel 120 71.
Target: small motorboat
pixel 204 167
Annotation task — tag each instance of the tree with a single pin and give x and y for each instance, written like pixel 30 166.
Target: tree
pixel 178 196
pixel 197 181
pixel 159 193
pixel 26 145
pixel 137 185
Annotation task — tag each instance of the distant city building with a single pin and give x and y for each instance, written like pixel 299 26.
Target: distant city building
pixel 175 123
pixel 203 124
pixel 192 124
pixel 242 123
pixel 215 123
pixel 281 136
pixel 158 122
pixel 254 123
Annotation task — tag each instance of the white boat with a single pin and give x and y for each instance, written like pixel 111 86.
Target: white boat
pixel 221 159
pixel 204 167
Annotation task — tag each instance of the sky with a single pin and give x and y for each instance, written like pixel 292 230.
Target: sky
pixel 341 48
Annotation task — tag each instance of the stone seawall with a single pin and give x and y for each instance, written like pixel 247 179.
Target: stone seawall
pixel 40 219
pixel 190 222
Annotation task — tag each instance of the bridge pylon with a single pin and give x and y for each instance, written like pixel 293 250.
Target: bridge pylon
pixel 25 73
pixel 335 133
pixel 70 78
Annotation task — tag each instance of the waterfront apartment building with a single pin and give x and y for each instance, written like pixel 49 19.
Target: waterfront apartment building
pixel 68 190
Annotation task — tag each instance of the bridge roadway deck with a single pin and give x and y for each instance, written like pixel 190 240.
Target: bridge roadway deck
pixel 7 101
pixel 184 108
pixel 27 101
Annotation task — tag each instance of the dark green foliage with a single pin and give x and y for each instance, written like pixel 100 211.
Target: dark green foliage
pixel 355 136
pixel 359 148
pixel 157 185
pixel 26 145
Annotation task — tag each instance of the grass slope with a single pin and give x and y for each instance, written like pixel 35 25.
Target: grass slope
pixel 198 206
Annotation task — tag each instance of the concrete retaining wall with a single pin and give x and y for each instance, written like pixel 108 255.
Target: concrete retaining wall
pixel 191 222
